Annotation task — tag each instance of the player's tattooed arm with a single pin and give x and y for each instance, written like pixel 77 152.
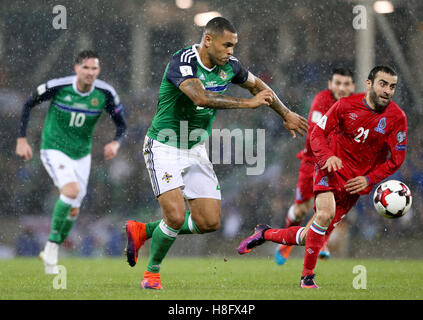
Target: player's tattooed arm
pixel 195 90
pixel 292 121
pixel 256 85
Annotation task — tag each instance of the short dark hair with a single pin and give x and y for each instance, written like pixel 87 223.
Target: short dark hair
pixel 385 69
pixel 343 72
pixel 85 54
pixel 218 25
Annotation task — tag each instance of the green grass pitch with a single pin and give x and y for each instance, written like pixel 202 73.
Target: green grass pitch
pixel 212 278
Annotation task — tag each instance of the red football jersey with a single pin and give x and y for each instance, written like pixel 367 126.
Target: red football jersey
pixel 320 105
pixel 369 143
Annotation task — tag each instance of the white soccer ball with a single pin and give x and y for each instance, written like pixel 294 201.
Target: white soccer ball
pixel 392 199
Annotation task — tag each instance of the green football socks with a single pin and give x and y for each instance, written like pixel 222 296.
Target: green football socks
pixel 162 239
pixel 60 213
pixel 66 227
pixel 189 227
pixel 150 226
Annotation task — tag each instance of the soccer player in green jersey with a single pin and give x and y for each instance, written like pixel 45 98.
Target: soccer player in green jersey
pixel 190 94
pixel 76 105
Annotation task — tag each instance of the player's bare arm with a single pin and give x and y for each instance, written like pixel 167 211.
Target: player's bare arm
pixel 356 184
pixel 333 163
pixel 292 121
pixel 23 149
pixel 195 90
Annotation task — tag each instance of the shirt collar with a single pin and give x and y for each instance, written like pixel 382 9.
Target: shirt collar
pixel 83 94
pixel 194 47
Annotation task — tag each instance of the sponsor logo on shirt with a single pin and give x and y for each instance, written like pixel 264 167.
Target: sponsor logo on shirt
pixel 80 105
pixel 211 84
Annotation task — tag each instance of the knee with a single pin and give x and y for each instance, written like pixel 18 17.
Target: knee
pixel 300 211
pixel 174 217
pixel 208 221
pixel 74 213
pixel 70 190
pixel 324 216
pixel 210 226
pixel 175 221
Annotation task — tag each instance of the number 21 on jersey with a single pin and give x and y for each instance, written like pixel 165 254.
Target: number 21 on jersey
pixel 77 119
pixel 361 132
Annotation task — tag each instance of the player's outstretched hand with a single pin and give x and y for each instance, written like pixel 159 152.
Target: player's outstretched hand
pixel 23 149
pixel 111 150
pixel 356 184
pixel 333 163
pixel 293 122
pixel 264 97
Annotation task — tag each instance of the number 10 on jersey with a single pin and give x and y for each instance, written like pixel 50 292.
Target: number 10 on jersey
pixel 77 119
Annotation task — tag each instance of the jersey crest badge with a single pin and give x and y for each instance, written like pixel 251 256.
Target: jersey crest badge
pixel 223 75
pixel 381 126
pixel 94 102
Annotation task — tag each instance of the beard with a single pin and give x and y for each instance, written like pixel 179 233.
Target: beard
pixel 215 61
pixel 377 102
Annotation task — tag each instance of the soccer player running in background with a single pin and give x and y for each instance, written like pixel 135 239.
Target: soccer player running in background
pixel 340 84
pixel 190 94
pixel 77 102
pixel 367 144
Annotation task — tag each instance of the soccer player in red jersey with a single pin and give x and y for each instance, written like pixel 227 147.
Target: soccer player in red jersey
pixel 340 84
pixel 367 144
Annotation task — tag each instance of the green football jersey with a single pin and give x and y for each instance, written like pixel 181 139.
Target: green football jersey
pixel 178 121
pixel 72 115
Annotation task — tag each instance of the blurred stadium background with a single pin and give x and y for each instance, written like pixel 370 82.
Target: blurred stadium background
pixel 292 45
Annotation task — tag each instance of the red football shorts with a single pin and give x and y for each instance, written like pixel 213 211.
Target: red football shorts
pixel 304 190
pixel 335 182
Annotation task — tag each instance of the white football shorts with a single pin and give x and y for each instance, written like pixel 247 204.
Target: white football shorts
pixel 189 169
pixel 63 170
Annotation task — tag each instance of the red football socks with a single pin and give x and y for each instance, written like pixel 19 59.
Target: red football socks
pixel 314 242
pixel 286 236
pixel 290 219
